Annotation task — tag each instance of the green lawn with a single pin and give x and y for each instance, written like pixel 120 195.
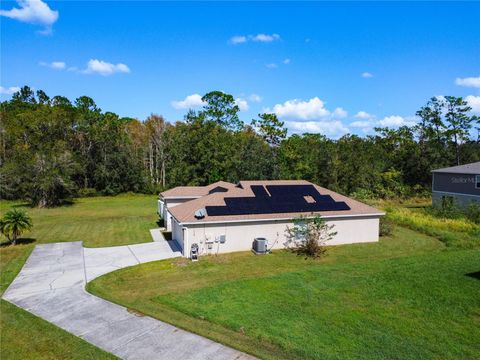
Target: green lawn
pixel 406 297
pixel 100 221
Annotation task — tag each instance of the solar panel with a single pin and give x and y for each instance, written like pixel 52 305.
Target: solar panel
pixel 259 191
pixel 282 199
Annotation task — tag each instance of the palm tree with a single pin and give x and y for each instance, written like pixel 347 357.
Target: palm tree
pixel 14 223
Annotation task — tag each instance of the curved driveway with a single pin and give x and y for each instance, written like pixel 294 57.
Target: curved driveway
pixel 51 285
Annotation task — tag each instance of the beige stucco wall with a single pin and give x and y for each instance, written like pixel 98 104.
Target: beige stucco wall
pixel 170 203
pixel 177 233
pixel 239 236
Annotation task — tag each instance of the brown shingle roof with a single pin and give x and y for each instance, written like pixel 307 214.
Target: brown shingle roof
pixel 185 213
pixel 194 191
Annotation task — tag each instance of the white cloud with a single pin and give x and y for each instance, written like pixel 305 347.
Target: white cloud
pixel 396 121
pixel 265 37
pixel 361 124
pixel 363 115
pixel 242 104
pixel 57 65
pixel 468 82
pixel 334 129
pixel 239 39
pixel 9 91
pixel 313 109
pixel 473 102
pixel 286 61
pixel 190 102
pixel 366 75
pixel 339 113
pixel 367 121
pixel 104 68
pixel 255 98
pixel 33 12
pixel 311 116
pixel 271 66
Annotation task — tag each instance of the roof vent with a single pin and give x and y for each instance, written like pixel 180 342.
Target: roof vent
pixel 218 189
pixel 200 213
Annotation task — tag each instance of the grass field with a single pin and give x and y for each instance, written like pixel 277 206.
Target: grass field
pixel 101 221
pixel 406 297
pixel 459 233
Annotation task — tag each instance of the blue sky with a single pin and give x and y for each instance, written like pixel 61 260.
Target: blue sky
pixel 322 67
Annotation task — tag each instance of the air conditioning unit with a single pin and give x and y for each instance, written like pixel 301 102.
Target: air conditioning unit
pixel 259 246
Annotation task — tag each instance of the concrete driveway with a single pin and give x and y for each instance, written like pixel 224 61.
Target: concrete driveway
pixel 51 285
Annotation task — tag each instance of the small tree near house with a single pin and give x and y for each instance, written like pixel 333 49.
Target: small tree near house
pixel 309 236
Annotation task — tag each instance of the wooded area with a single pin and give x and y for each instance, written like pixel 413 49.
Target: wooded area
pixel 52 149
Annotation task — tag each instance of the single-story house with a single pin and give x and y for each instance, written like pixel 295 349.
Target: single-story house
pixel 458 184
pixel 181 194
pixel 227 221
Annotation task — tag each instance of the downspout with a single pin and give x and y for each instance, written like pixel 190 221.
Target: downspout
pixel 186 248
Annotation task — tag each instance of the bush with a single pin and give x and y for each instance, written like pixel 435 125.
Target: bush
pixel 472 212
pixel 386 227
pixel 87 192
pixel 363 194
pixel 309 236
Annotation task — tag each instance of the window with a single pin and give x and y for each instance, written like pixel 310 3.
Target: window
pixel 477 182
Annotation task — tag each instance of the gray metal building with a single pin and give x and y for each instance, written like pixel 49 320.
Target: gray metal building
pixel 460 184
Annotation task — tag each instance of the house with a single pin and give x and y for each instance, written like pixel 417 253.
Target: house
pixel 181 194
pixel 227 221
pixel 456 184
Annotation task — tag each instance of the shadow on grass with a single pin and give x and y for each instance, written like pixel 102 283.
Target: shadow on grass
pixel 64 203
pixel 21 241
pixel 475 275
pixel 22 205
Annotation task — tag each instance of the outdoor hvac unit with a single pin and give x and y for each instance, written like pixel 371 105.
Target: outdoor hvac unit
pixel 259 245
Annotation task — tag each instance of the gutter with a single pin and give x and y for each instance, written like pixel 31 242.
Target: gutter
pixel 182 197
pixel 278 219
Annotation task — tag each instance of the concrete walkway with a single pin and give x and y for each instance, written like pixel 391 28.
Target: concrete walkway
pixel 51 285
pixel 157 235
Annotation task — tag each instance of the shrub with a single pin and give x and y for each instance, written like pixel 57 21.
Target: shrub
pixel 87 192
pixel 363 194
pixel 472 212
pixel 386 227
pixel 309 236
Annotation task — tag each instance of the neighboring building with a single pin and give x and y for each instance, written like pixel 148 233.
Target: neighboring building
pixel 181 194
pixel 458 184
pixel 228 221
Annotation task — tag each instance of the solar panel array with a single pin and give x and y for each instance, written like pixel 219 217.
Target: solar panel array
pixel 278 199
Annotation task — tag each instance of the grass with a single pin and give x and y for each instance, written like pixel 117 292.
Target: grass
pixel 454 232
pixel 98 222
pixel 101 221
pixel 406 297
pixel 25 336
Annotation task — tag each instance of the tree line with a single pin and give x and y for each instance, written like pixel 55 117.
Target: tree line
pixel 52 149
